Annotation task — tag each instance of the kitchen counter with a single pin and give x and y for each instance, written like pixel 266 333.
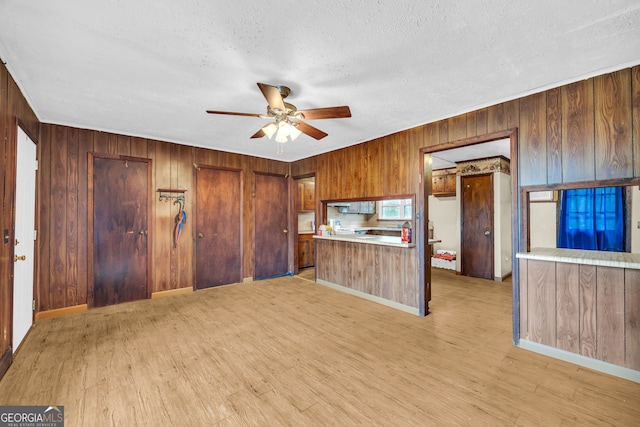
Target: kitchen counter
pixel 368 239
pixel 578 256
pixel 372 240
pixel 306 232
pixel 398 229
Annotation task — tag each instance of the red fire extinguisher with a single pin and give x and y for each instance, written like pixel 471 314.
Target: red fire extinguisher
pixel 406 232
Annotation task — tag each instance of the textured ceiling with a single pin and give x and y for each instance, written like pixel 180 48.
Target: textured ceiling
pixel 152 67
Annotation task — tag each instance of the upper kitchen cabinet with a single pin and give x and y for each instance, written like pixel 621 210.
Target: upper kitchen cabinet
pixel 353 208
pixel 361 207
pixel 443 182
pixel 306 196
pixel 367 207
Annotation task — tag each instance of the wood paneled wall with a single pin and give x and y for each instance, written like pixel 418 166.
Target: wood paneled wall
pixel 580 132
pixel 584 309
pixel 62 247
pixel 13 108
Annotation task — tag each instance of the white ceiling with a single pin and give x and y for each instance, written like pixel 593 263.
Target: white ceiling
pixel 152 67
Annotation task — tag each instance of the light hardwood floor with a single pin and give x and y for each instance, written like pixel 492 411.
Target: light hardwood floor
pixel 287 351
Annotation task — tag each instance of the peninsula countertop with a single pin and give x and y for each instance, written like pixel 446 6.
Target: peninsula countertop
pixel 579 256
pixel 372 240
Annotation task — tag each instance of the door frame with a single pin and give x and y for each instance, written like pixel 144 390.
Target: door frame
pixel 196 168
pixel 90 212
pixel 19 125
pixel 424 263
pixel 293 189
pixel 492 222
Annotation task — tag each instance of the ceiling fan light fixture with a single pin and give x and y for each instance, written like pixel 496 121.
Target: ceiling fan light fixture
pixel 285 132
pixel 294 132
pixel 270 129
pixel 283 128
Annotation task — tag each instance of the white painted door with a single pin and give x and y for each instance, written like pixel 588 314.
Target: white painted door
pixel 25 236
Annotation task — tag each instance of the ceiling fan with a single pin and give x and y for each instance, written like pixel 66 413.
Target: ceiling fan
pixel 289 122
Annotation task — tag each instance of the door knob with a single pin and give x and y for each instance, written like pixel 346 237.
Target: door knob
pixel 486 233
pixel 19 258
pixel 285 231
pixel 200 235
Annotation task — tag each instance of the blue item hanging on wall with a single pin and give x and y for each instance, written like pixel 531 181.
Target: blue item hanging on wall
pixel 181 218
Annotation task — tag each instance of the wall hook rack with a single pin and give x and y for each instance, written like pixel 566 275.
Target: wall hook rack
pixel 176 195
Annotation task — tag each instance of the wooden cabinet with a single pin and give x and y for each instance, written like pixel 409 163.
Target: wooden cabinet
pixel 306 196
pixel 306 250
pixel 443 182
pixel 367 207
pixel 362 208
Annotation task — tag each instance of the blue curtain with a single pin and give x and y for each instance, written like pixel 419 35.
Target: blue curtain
pixel 592 218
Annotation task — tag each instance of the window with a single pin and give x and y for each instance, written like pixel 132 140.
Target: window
pixel 592 218
pixel 394 209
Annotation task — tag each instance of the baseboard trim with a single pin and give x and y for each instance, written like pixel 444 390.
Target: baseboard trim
pixel 5 361
pixel 17 350
pixel 578 359
pixel 61 311
pixel 171 292
pixel 503 278
pixel 373 298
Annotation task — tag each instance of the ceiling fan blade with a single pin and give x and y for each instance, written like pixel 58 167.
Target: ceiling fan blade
pixel 258 134
pixel 231 113
pixel 310 130
pixel 273 97
pixel 327 113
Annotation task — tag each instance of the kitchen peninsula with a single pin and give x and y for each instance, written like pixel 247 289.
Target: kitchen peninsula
pixel 366 257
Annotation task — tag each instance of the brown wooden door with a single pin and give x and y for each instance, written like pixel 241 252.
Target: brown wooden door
pixel 120 191
pixel 271 226
pixel 218 229
pixel 477 226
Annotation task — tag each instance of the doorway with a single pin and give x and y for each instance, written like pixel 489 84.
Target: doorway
pixel 509 230
pixel 218 259
pixel 119 228
pixel 305 221
pixel 25 235
pixel 476 228
pixel 445 208
pixel 271 226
